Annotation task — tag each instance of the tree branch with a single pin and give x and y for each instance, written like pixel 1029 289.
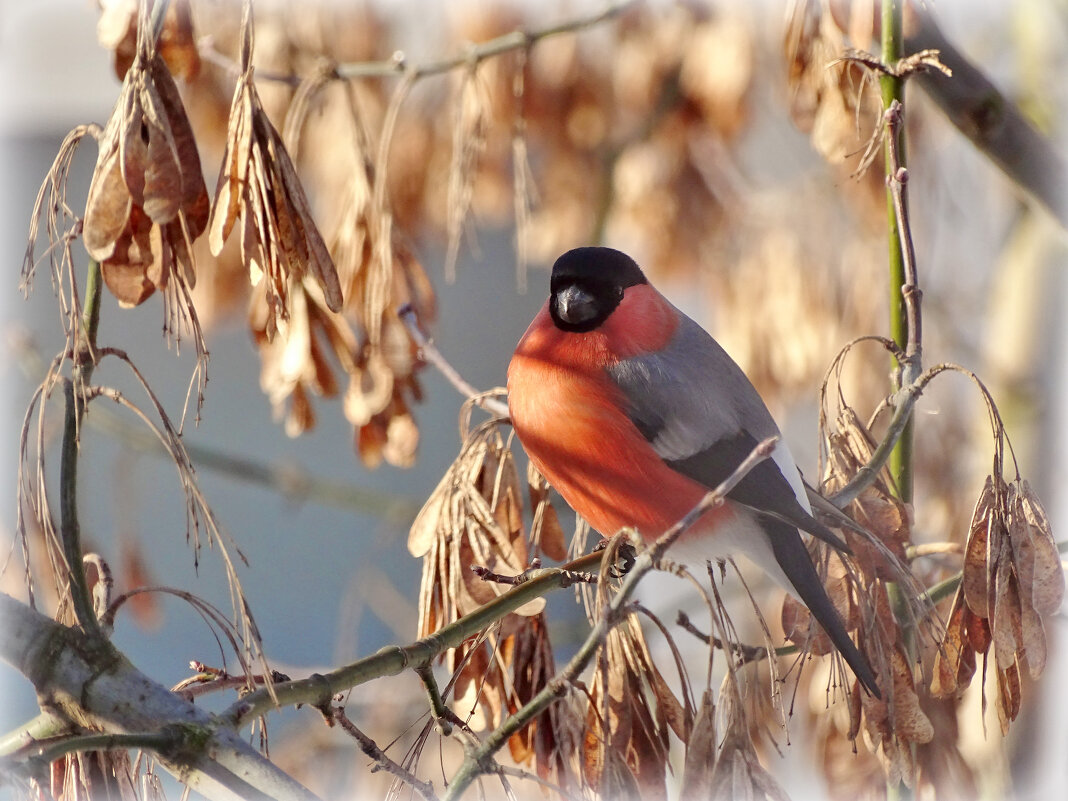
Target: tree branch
pixel 990 121
pixel 398 65
pixel 382 760
pixel 391 660
pixel 84 358
pixel 432 355
pixel 87 680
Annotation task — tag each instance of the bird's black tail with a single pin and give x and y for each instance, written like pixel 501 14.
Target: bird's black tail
pixel 793 558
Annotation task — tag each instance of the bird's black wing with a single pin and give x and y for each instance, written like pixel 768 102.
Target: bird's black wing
pixel 764 489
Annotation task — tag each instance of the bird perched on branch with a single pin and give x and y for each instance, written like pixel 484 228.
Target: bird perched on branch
pixel 633 413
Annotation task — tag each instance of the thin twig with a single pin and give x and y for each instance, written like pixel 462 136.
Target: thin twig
pixel 897 181
pixel 866 475
pixel 744 653
pixel 527 776
pixel 934 549
pixel 480 761
pixel 211 679
pixel 382 761
pixel 432 355
pixel 294 481
pixel 47 751
pixel 893 90
pixel 444 716
pixel 397 65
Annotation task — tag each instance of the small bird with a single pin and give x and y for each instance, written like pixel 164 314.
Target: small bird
pixel 633 413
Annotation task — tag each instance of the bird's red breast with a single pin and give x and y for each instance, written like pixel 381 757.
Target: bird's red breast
pixel 573 423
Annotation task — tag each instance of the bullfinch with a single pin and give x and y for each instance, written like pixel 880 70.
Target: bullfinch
pixel 633 412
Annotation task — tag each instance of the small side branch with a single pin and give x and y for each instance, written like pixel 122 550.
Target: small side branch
pixel 433 356
pixel 897 182
pixel 382 761
pixel 76 397
pixel 70 530
pixel 398 65
pixel 444 716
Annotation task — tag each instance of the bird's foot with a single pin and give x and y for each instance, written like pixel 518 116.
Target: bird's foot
pixel 626 555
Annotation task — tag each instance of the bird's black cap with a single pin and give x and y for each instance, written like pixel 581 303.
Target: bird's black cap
pixel 597 265
pixel 587 285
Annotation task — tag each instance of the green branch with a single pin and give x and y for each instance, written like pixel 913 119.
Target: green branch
pixel 393 659
pixel 84 358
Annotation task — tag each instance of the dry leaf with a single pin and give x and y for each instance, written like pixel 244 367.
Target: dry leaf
pixel 1043 566
pixel 911 723
pixel 626 748
pixel 975 580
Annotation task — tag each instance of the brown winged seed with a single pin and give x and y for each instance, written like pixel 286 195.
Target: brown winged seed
pixel 258 185
pixel 147 201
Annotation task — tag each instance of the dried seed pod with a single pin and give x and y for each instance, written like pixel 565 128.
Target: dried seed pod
pixel 1005 627
pixel 1047 574
pixel 954 663
pixel 911 723
pixel 1010 696
pixel 474 518
pixel 147 201
pixel 738 772
pixel 258 185
pixel 545 530
pixel 800 628
pixel 701 747
pixel 1033 639
pixel 975 581
pixel 626 748
pixel 116 30
pixel 829 99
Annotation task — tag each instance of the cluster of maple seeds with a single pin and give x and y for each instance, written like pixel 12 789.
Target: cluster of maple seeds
pixel 148 204
pixel 1012 579
pixel 615 140
pixel 147 201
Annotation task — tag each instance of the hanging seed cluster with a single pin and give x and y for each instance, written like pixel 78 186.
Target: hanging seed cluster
pixel 1012 579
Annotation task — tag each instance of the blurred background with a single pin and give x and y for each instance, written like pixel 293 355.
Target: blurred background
pixel 709 140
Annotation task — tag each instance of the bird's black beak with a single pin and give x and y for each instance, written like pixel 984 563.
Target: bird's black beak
pixel 574 305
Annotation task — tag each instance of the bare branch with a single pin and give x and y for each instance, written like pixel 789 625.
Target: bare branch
pixel 397 65
pixel 382 761
pixel 897 179
pixel 394 659
pixel 432 355
pixel 88 680
pixel 990 120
